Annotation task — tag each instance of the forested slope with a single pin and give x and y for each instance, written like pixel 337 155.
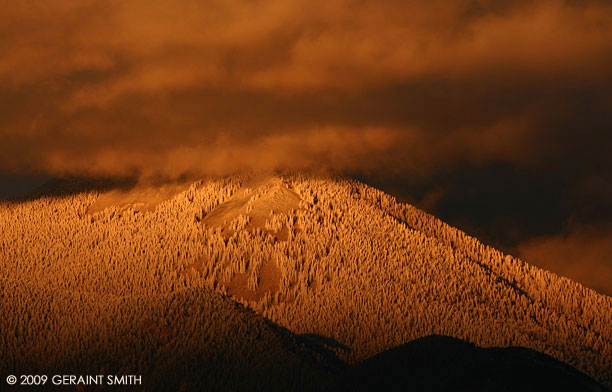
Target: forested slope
pixel 336 259
pixel 190 340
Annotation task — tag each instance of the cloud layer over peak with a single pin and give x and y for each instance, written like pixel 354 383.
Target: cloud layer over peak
pixel 167 88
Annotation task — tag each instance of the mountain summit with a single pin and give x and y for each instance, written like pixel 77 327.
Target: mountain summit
pixel 265 282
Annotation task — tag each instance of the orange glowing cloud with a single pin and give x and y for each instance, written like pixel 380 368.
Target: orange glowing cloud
pixel 582 255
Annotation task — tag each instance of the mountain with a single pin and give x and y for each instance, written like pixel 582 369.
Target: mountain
pixel 267 282
pixel 441 363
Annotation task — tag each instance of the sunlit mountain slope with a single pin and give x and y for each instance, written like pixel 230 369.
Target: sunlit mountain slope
pixel 326 257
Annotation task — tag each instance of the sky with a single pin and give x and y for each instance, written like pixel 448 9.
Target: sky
pixel 494 115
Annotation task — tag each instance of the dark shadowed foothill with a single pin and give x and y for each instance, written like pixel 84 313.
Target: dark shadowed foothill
pixel 441 363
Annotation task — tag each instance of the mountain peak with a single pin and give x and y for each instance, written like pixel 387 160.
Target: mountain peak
pixel 320 256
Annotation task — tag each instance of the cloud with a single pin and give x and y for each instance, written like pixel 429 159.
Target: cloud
pixel 309 148
pixel 162 87
pixel 583 255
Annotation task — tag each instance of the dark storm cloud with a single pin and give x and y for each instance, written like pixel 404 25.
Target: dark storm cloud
pixel 160 87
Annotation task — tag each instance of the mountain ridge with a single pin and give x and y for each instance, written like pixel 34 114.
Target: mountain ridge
pixel 442 363
pixel 353 261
